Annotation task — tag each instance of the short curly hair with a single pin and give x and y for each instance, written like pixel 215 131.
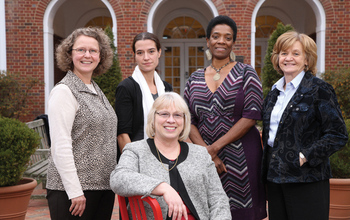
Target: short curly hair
pixel 222 19
pixel 286 40
pixel 64 49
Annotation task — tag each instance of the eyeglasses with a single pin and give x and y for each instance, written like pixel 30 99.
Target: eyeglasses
pixel 82 51
pixel 166 115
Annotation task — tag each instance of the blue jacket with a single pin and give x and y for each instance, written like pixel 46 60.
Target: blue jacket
pixel 312 123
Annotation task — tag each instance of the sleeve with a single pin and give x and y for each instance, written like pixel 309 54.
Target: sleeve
pixel 126 179
pixel 168 86
pixel 62 108
pixel 124 109
pixel 253 95
pixel 187 97
pixel 334 133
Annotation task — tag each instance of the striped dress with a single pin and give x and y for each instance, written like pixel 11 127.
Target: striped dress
pixel 239 95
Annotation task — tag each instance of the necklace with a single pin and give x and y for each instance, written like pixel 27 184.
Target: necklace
pixel 163 164
pixel 217 76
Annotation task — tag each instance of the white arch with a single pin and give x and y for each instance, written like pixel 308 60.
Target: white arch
pixel 48 42
pixel 151 13
pixel 320 32
pixel 3 59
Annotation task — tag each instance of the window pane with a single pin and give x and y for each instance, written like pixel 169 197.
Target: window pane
pixel 183 27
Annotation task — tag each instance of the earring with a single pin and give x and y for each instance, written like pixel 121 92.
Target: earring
pixel 232 56
pixel 208 54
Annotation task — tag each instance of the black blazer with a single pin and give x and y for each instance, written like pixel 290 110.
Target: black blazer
pixel 312 123
pixel 128 106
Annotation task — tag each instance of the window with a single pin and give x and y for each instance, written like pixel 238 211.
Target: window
pixel 183 27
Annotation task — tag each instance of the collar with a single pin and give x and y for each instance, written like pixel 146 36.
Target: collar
pixel 294 83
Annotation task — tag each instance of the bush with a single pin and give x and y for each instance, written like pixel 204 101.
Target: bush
pixel 340 161
pixel 340 80
pixel 269 75
pixel 14 91
pixel 108 81
pixel 17 143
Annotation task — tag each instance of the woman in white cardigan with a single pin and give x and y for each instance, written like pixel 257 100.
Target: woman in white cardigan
pixel 181 175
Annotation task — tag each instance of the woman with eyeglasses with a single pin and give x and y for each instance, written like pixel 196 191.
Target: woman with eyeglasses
pixel 83 131
pixel 180 175
pixel 136 94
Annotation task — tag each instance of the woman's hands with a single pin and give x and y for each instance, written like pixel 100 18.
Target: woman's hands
pixel 220 166
pixel 78 205
pixel 177 208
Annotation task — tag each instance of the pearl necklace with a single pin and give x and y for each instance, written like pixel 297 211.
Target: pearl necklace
pixel 217 76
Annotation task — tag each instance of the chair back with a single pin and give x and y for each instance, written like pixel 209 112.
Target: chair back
pixel 137 208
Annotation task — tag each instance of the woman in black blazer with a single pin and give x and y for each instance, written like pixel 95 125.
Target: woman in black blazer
pixel 302 127
pixel 135 94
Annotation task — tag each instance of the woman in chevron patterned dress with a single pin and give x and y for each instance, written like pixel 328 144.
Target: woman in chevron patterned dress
pixel 225 100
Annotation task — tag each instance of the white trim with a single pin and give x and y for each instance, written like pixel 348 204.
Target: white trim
pixel 253 31
pixel 320 32
pixel 49 47
pixel 154 7
pixel 114 20
pixel 48 42
pixel 3 59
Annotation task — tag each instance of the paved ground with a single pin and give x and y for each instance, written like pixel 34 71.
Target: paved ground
pixel 39 210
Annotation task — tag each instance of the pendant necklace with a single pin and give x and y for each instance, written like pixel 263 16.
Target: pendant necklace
pixel 163 164
pixel 217 76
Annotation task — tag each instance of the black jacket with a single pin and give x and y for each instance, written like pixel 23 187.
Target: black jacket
pixel 312 123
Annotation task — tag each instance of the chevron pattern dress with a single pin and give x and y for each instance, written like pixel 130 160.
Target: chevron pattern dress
pixel 239 95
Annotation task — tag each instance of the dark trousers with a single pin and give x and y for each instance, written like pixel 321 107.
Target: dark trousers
pixel 298 201
pixel 99 205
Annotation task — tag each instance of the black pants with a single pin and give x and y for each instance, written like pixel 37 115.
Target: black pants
pixel 99 205
pixel 298 201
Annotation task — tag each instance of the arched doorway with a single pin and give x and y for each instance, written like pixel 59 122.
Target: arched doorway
pixel 295 13
pixel 183 46
pixel 60 19
pixel 180 25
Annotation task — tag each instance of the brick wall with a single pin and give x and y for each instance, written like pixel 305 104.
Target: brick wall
pixel 24 30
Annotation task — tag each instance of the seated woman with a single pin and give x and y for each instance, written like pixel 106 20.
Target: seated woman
pixel 181 175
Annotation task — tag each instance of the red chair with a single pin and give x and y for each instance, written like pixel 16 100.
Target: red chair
pixel 137 208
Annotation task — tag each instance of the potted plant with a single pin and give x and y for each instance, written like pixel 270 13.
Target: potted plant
pixel 17 143
pixel 339 78
pixel 340 183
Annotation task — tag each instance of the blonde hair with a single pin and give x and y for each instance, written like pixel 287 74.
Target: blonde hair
pixel 286 40
pixel 167 100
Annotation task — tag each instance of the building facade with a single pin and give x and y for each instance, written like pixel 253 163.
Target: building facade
pixel 31 29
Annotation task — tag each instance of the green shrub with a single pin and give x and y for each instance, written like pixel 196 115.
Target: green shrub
pixel 269 74
pixel 340 80
pixel 340 161
pixel 14 93
pixel 108 81
pixel 17 143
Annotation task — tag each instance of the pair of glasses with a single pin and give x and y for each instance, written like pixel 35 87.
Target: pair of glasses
pixel 82 51
pixel 166 115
